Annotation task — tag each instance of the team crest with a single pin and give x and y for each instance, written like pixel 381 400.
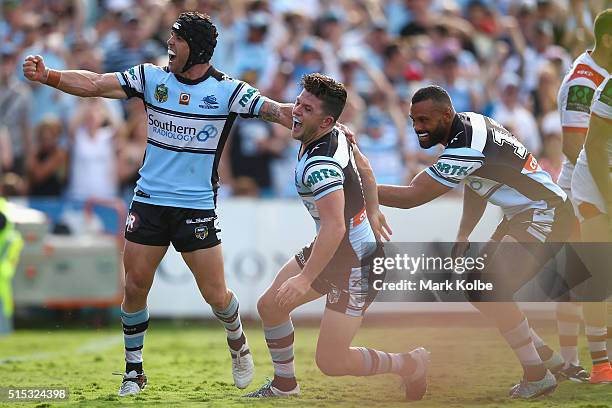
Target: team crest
pixel 201 232
pixel 209 102
pixel 333 295
pixel 161 93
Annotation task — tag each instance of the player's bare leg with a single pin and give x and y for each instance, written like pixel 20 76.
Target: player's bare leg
pixel 207 268
pixel 336 357
pixel 511 321
pixel 140 263
pixel 569 317
pixel 278 330
pixel 595 229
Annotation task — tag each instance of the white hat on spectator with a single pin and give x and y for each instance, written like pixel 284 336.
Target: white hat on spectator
pixel 509 79
pixel 118 6
pixel 258 19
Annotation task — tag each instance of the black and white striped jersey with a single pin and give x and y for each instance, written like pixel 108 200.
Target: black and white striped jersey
pixel 495 165
pixel 327 165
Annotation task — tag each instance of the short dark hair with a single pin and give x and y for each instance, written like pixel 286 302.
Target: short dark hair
pixel 603 24
pixel 331 92
pixel 434 92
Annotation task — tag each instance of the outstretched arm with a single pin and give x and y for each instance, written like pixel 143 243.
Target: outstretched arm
pixel 422 189
pixel 282 113
pixel 75 82
pixel 276 112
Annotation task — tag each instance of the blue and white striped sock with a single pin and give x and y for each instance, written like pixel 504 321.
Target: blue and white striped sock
pixel 230 319
pixel 134 329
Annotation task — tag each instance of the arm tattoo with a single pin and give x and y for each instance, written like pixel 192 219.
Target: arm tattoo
pixel 270 112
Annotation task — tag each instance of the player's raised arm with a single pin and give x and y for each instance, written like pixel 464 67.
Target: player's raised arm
pixel 75 82
pixel 277 112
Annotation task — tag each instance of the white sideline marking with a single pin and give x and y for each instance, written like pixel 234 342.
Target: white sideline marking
pixel 91 347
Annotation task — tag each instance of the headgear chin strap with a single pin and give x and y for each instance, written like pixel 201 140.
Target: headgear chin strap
pixel 200 34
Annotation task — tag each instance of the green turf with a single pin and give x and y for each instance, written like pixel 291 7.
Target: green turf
pixel 188 364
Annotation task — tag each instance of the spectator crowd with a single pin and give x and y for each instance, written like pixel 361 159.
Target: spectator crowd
pixel 504 59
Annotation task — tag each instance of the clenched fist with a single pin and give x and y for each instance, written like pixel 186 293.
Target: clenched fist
pixel 34 69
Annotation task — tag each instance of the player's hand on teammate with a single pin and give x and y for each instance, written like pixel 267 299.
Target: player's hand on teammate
pixel 34 69
pixel 292 290
pixel 378 222
pixel 348 132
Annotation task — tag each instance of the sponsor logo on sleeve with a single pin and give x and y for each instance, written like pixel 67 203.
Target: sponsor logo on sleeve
pixel 319 175
pixel 132 74
pixel 606 93
pixel 531 164
pixel 453 169
pixel 584 71
pixel 579 98
pixel 247 95
pixel 161 93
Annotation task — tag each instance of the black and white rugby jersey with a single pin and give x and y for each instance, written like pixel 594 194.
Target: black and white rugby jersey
pixel 327 165
pixel 495 165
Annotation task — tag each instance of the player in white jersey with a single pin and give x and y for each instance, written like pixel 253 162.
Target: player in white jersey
pixel 339 261
pixel 496 168
pixel 592 188
pixel 574 103
pixel 190 110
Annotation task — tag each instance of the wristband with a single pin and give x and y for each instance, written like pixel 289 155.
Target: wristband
pixel 53 78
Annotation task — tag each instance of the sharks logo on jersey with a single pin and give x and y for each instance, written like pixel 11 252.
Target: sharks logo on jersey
pixel 209 102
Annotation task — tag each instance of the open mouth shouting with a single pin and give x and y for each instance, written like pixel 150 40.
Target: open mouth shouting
pixel 297 124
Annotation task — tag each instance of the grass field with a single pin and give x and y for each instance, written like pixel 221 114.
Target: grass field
pixel 188 365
